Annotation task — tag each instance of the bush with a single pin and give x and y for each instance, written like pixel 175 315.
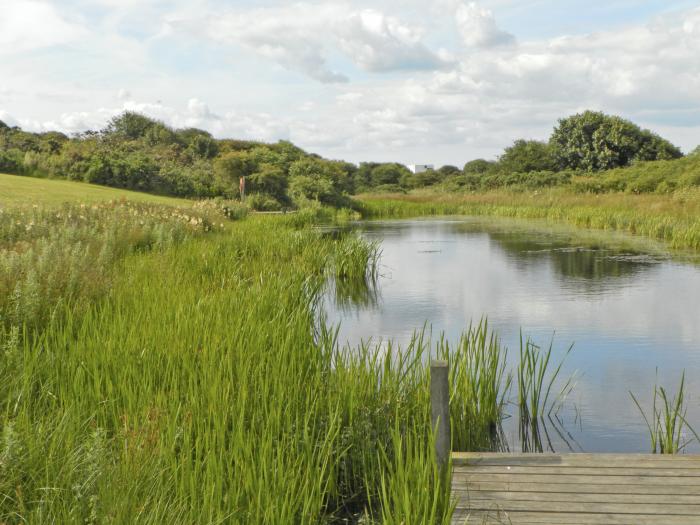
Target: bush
pixel 262 202
pixel 11 161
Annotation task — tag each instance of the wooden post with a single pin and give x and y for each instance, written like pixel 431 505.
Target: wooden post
pixel 440 408
pixel 241 187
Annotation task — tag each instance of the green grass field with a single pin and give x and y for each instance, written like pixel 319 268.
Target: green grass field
pixel 16 190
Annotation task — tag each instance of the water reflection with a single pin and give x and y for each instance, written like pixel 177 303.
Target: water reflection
pixel 626 305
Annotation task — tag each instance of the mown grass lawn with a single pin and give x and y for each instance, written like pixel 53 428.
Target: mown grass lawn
pixel 16 190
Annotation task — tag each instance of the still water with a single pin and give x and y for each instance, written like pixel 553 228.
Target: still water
pixel 629 309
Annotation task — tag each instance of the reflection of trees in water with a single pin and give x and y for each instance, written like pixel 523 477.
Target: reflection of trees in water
pixel 568 256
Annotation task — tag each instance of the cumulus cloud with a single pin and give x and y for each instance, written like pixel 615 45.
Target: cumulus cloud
pixel 33 24
pixel 300 37
pixel 377 42
pixel 439 106
pixel 478 27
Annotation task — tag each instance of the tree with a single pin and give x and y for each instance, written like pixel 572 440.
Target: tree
pixel 269 180
pixel 595 141
pixel 315 179
pixel 477 166
pixel 229 168
pixel 449 171
pixel 130 125
pixel 422 179
pixel 525 156
pixel 388 173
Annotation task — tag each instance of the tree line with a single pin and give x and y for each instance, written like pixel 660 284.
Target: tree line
pixel 139 153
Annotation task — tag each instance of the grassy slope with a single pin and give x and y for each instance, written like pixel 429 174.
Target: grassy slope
pixel 16 191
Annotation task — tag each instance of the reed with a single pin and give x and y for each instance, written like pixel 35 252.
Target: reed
pixel 667 422
pixel 200 387
pixel 535 380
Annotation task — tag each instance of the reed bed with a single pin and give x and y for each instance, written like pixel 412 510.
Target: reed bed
pixel 201 388
pixel 66 255
pixel 673 219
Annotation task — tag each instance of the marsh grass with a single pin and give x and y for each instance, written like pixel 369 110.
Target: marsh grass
pixel 202 388
pixel 535 380
pixel 667 422
pixel 51 257
pixel 479 386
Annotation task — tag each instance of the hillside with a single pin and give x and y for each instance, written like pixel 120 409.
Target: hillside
pixel 16 190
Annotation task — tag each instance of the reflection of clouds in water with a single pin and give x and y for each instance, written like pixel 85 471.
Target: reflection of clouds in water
pixel 627 312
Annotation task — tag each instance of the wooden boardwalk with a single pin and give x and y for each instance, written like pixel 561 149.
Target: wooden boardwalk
pixel 634 489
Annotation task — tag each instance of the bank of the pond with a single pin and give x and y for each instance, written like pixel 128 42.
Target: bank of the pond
pixel 200 389
pixel 672 218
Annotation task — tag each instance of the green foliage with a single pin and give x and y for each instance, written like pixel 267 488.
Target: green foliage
pixel 663 176
pixel 50 258
pixel 389 173
pixel 594 141
pixel 477 166
pixel 316 180
pixel 527 156
pixel 423 179
pixel 131 125
pixel 667 423
pixel 11 161
pixel 140 153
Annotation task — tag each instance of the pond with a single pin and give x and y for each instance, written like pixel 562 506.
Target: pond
pixel 629 308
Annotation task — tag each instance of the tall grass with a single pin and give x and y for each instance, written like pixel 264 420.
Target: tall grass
pixel 535 379
pixel 667 422
pixel 65 256
pixel 479 386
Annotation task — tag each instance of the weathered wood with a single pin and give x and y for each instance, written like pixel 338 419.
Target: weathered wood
pixel 573 489
pixel 440 408
pixel 494 517
pixel 577 488
pixel 532 458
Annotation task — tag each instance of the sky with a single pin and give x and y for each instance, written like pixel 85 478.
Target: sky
pixel 413 81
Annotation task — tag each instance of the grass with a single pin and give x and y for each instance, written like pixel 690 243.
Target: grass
pixel 672 218
pixel 667 422
pixel 51 257
pixel 198 385
pixel 16 190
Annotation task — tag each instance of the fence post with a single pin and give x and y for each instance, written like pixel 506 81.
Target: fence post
pixel 440 408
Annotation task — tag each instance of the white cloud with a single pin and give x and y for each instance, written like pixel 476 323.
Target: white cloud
pixel 437 105
pixel 376 42
pixel 478 28
pixel 302 36
pixel 32 24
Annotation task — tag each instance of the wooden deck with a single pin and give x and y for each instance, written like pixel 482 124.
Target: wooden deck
pixel 578 489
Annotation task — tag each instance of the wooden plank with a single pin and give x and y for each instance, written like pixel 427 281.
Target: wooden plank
pixel 463 478
pixel 662 509
pixel 493 517
pixel 577 488
pixel 604 460
pixel 599 497
pixel 553 470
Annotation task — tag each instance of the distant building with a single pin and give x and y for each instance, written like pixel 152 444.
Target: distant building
pixel 420 168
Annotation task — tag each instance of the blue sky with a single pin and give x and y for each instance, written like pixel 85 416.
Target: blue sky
pixel 441 81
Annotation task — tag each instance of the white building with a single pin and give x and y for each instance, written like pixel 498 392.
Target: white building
pixel 420 168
